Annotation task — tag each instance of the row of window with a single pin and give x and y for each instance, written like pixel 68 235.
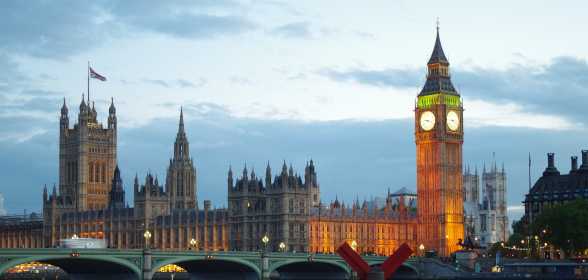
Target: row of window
pixel 97 171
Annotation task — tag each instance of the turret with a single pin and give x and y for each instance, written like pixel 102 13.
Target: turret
pixel 268 176
pixel 584 166
pixel 93 114
pixel 54 193
pixel 136 185
pixel 84 114
pixel 64 119
pixel 230 179
pixel 112 115
pixel 551 169
pixel 574 164
pixel 117 193
pixel 245 173
pixel 44 193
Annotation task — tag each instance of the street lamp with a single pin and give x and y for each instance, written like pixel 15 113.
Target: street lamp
pixel 422 249
pixel 282 246
pixel 75 236
pixel 265 240
pixel 147 236
pixel 354 245
pixel 193 243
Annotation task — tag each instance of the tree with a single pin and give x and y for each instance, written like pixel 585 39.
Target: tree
pixel 563 225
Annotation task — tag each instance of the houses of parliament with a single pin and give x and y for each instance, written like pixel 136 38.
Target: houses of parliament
pixel 90 200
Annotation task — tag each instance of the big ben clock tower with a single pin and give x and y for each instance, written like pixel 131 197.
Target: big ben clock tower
pixel 439 139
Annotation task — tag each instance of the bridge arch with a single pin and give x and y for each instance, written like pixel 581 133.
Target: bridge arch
pixel 407 269
pixel 319 266
pixel 187 261
pixel 76 265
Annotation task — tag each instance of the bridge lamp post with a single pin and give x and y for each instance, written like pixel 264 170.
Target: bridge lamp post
pixel 147 236
pixel 193 244
pixel 282 247
pixel 265 240
pixel 422 249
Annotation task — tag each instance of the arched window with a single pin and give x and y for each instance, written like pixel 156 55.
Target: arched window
pixel 103 173
pixel 91 171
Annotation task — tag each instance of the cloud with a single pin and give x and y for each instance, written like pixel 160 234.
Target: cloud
pixel 189 84
pixel 244 81
pixel 177 83
pixel 557 88
pixel 61 29
pixel 293 30
pixel 378 78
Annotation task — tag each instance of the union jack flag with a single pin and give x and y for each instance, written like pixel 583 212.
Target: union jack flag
pixel 95 75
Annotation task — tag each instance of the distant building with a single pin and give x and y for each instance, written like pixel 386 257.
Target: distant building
pixel 554 188
pixel 471 204
pixel 90 201
pixel 486 222
pixel 367 227
pixel 2 210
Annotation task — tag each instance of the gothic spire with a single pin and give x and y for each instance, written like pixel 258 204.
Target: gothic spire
pixel 181 146
pixel 83 104
pixel 438 78
pixel 64 109
pixel 181 128
pixel 438 56
pixel 112 109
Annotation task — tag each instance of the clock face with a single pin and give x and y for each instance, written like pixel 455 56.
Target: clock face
pixel 427 120
pixel 453 120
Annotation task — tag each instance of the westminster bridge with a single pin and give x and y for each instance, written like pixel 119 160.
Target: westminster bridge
pixel 144 264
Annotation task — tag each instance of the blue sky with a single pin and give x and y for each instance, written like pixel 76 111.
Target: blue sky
pixel 290 80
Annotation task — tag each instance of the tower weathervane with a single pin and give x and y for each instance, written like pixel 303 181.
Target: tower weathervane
pixel 437 24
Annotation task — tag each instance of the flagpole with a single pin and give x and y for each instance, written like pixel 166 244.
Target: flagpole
pixel 88 72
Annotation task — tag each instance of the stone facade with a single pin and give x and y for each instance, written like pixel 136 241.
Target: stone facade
pixel 287 207
pixel 279 207
pixel 439 139
pixel 471 203
pixel 554 188
pixel 90 202
pixel 487 221
pixel 367 226
pixel 494 226
pixel 87 158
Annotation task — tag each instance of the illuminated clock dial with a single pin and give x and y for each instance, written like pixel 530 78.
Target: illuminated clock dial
pixel 453 120
pixel 427 120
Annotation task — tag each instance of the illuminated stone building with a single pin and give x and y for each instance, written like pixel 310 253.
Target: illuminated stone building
pixel 554 188
pixel 366 227
pixel 279 208
pixel 439 139
pixel 90 202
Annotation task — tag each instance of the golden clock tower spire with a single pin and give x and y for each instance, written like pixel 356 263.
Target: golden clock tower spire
pixel 439 139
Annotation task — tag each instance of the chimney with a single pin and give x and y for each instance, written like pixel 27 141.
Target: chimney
pixel 574 164
pixel 550 170
pixel 584 165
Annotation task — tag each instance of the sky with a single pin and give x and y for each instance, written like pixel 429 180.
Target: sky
pixel 274 81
